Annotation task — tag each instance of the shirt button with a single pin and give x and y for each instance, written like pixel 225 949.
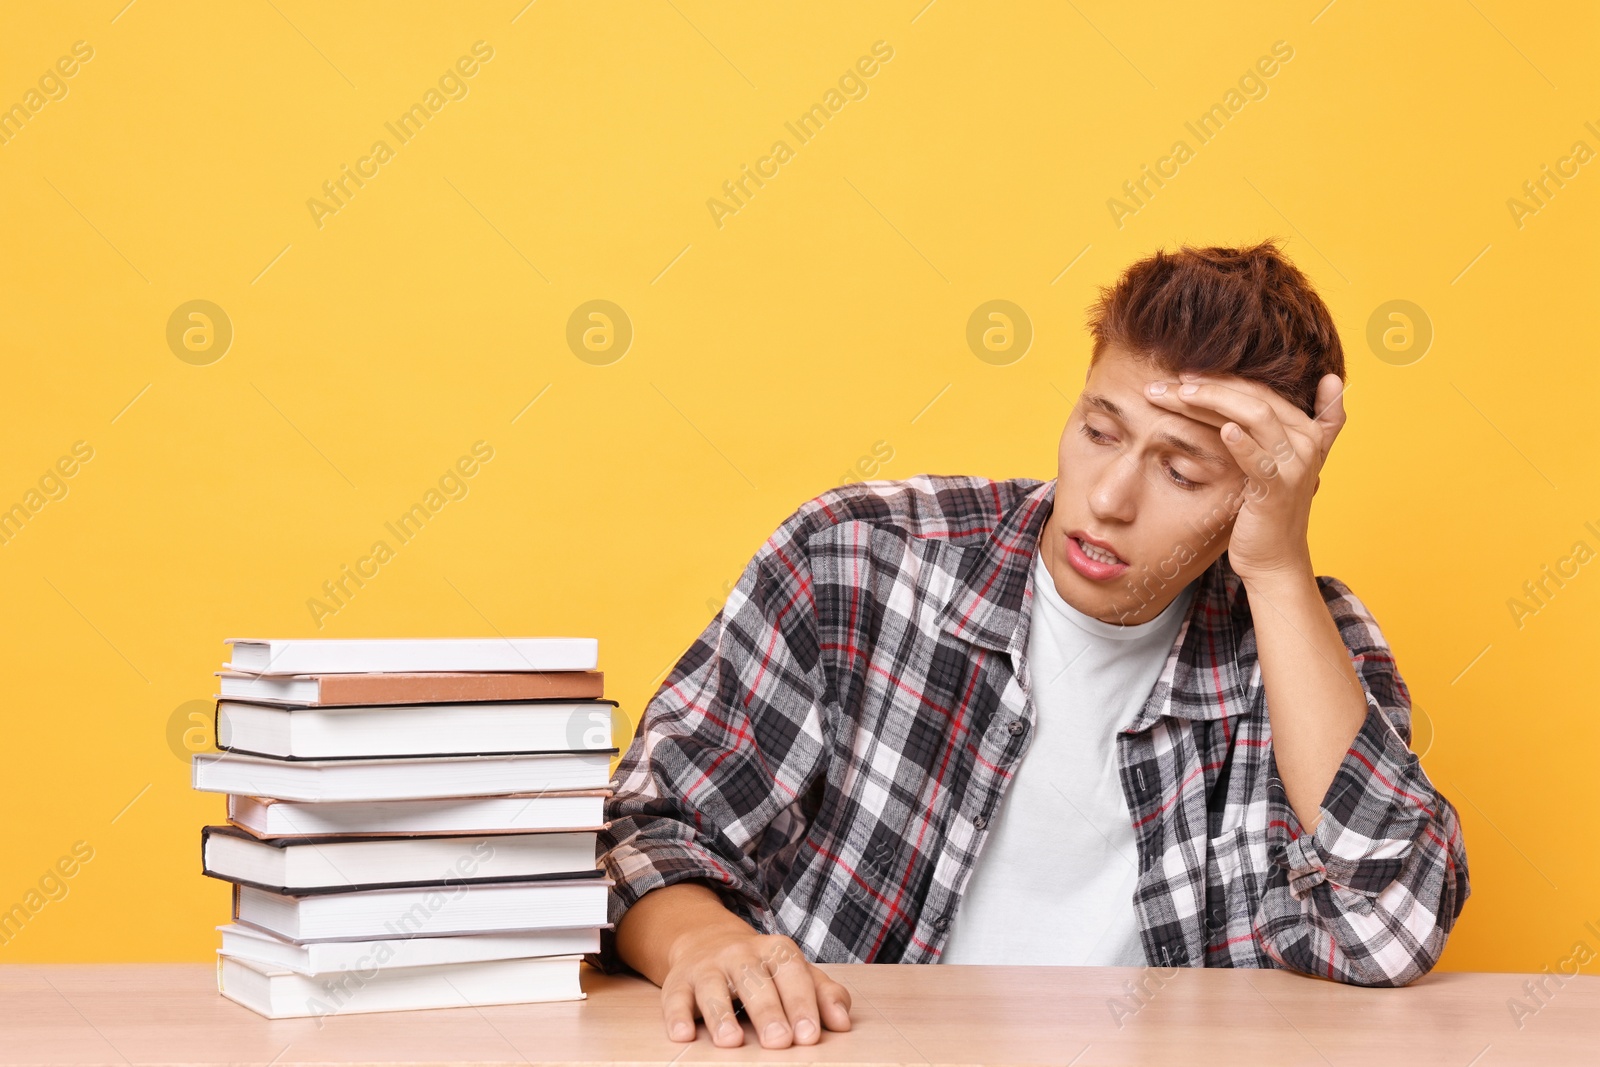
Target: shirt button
pixel 979 822
pixel 1016 726
pixel 941 924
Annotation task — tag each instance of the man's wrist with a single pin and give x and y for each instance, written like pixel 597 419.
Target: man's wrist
pixel 1285 582
pixel 707 914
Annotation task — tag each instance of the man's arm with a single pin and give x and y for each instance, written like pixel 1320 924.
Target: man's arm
pixel 1314 699
pixel 706 792
pixel 1377 872
pixel 1377 868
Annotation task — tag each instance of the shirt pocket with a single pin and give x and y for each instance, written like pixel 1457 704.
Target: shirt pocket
pixel 1235 872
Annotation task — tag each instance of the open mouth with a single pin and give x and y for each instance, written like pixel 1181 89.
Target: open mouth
pixel 1098 554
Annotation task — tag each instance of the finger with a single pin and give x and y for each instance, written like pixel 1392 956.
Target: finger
pixel 677 1010
pixel 833 1001
pixel 1294 447
pixel 716 1008
pixel 792 976
pixel 1297 425
pixel 1216 405
pixel 1320 429
pixel 1306 447
pixel 759 994
pixel 1289 412
pixel 1330 411
pixel 1259 467
pixel 1221 402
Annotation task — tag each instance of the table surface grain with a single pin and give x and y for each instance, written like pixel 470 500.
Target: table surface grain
pixel 135 1014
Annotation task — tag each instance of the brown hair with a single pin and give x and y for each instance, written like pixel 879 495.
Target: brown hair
pixel 1242 311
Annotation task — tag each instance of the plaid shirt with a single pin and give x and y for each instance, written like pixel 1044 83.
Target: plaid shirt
pixel 831 748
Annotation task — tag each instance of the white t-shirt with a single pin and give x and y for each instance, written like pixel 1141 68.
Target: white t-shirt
pixel 1054 881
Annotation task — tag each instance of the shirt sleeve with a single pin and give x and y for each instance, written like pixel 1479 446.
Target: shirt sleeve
pixel 1375 889
pixel 726 747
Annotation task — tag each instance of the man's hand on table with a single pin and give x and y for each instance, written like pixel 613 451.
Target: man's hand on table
pixel 784 995
pixel 705 958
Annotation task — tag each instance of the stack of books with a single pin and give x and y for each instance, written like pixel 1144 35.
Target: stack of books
pixel 411 823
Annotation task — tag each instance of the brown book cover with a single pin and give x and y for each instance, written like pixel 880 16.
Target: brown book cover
pixel 251 831
pixel 429 688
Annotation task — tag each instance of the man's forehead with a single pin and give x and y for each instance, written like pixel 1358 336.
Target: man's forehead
pixel 1183 442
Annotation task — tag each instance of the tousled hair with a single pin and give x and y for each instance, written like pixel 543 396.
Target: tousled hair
pixel 1244 311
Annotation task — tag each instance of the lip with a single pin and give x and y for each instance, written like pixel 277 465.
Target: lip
pixel 1092 569
pixel 1095 541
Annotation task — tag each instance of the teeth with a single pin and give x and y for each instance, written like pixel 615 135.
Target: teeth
pixel 1096 553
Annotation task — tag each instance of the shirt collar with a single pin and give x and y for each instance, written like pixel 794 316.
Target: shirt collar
pixel 1201 676
pixel 986 604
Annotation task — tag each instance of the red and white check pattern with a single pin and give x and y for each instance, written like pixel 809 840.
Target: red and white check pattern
pixel 829 749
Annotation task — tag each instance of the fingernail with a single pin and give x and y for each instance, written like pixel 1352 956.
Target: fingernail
pixel 729 1029
pixel 1188 390
pixel 1232 433
pixel 805 1030
pixel 682 1031
pixel 1157 388
pixel 775 1033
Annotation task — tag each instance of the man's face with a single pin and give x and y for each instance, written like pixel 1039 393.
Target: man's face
pixel 1158 488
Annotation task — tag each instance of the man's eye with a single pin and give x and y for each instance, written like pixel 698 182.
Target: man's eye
pixel 1181 481
pixel 1178 479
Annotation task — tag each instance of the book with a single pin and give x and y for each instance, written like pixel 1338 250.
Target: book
pixel 392 778
pixel 518 812
pixel 318 957
pixel 412 823
pixel 300 732
pixel 327 864
pixel 438 687
pixel 279 993
pixel 425 912
pixel 361 656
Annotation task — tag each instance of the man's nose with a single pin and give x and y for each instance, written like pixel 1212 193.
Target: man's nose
pixel 1116 490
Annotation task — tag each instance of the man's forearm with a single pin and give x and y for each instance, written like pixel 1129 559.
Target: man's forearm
pixel 649 930
pixel 1314 699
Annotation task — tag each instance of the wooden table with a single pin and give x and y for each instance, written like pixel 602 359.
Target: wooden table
pixel 73 1014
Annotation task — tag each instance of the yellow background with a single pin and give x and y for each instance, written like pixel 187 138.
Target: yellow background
pixel 769 356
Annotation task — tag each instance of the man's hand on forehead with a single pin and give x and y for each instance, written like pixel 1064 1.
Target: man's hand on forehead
pixel 1268 418
pixel 1280 449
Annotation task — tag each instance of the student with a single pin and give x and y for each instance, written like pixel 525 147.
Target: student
pixel 1111 719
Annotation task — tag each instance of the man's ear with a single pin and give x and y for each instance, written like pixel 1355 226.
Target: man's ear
pixel 1316 485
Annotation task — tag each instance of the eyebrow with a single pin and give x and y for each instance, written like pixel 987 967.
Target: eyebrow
pixel 1105 404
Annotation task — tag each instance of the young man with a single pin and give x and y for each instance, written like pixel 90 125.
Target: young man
pixel 1110 719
